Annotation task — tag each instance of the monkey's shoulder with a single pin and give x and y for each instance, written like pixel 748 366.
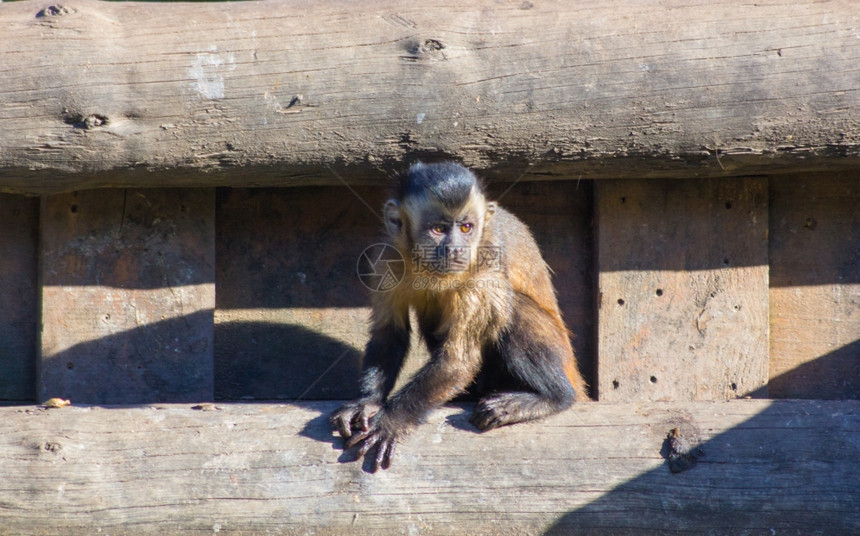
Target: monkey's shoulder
pixel 514 239
pixel 523 264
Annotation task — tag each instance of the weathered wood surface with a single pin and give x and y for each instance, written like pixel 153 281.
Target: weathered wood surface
pixel 290 306
pixel 19 227
pixel 815 287
pixel 769 467
pixel 682 281
pixel 281 92
pixel 128 294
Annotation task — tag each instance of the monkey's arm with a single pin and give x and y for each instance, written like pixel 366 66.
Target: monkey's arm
pixel 453 365
pixel 383 358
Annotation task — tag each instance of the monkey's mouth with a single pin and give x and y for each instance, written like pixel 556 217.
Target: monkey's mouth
pixel 454 266
pixel 441 265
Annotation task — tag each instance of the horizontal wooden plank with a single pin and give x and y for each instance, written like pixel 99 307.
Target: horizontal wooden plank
pixel 785 467
pixel 289 92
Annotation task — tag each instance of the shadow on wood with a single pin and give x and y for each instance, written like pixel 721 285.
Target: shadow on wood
pixel 19 225
pixel 778 472
pixel 167 361
pixel 835 376
pixel 267 361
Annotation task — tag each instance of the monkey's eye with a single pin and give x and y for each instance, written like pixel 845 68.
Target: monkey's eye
pixel 439 229
pixel 466 228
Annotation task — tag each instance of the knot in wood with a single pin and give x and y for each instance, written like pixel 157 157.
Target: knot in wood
pixel 425 50
pixel 56 11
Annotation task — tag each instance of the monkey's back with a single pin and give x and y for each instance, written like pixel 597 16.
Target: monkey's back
pixel 529 276
pixel 522 260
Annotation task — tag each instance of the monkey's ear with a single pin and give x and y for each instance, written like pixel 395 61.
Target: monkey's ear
pixel 393 219
pixel 491 209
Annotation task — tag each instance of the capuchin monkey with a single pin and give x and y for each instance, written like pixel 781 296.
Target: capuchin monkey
pixel 486 309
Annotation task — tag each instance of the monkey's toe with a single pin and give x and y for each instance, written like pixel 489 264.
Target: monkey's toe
pixel 511 408
pixel 490 413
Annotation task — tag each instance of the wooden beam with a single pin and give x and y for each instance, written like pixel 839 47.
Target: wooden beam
pixel 597 469
pixel 287 92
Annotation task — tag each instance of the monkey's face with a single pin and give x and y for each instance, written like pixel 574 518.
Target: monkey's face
pixel 440 219
pixel 444 239
pixel 444 242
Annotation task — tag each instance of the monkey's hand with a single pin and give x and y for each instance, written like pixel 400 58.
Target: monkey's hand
pixel 353 417
pixel 380 433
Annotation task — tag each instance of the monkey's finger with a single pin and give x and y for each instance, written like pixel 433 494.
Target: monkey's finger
pixel 384 454
pixel 371 440
pixel 340 424
pixel 364 421
pixel 355 440
pixel 344 430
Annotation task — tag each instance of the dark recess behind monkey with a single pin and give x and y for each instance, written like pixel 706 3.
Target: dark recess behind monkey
pixel 486 309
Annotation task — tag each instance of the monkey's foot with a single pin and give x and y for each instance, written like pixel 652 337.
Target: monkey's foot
pixel 509 408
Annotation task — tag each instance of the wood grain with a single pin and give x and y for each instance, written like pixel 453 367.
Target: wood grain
pixel 784 467
pixel 19 229
pixel 682 289
pixel 292 315
pixel 282 92
pixel 127 296
pixel 815 287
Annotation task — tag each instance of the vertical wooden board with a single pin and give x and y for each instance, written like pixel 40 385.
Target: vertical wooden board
pixel 559 214
pixel 683 289
pixel 19 227
pixel 292 315
pixel 127 296
pixel 815 287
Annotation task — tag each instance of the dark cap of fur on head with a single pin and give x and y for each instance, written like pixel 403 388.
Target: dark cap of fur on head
pixel 450 183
